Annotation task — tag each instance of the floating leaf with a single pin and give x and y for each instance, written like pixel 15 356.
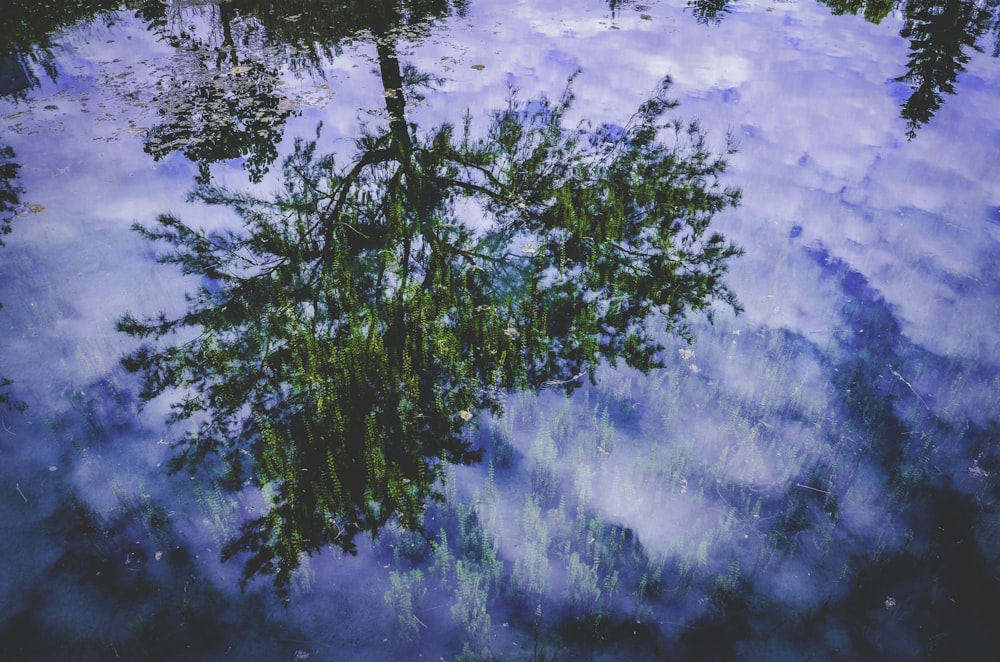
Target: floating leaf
pixel 242 69
pixel 479 67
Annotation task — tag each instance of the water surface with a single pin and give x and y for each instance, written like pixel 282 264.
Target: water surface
pixel 816 476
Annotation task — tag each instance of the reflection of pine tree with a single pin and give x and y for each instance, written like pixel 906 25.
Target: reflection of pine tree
pixel 10 190
pixel 348 334
pixel 940 34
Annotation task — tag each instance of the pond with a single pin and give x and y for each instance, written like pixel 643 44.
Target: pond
pixel 531 330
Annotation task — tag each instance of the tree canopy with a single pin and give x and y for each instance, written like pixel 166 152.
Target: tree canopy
pixel 345 338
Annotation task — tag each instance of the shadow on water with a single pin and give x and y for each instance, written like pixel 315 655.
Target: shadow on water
pixel 26 38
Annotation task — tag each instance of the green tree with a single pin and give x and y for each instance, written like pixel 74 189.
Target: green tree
pixel 873 10
pixel 347 335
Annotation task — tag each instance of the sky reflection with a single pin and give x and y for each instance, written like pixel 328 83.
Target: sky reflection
pixel 790 485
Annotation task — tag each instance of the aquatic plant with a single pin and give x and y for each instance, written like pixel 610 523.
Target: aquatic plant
pixel 404 596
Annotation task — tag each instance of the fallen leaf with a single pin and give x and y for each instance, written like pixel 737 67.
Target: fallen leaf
pixel 479 67
pixel 242 69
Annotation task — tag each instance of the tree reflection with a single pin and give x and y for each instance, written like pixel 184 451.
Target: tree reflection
pixel 941 34
pixel 344 339
pixel 218 103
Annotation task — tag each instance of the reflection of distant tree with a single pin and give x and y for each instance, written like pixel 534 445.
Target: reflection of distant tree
pixel 318 29
pixel 10 190
pixel 26 31
pixel 941 34
pixel 218 103
pixel 223 99
pixel 616 6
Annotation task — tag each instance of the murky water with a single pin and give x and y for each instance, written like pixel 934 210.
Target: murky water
pixel 814 477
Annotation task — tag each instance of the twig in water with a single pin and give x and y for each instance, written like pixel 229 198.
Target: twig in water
pixel 814 489
pixel 420 621
pixel 910 386
pixel 17 486
pixel 566 381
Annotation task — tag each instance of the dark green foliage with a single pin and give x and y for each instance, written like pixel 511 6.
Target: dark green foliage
pixel 10 189
pixel 346 336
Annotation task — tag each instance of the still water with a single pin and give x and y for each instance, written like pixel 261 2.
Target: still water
pixel 812 476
